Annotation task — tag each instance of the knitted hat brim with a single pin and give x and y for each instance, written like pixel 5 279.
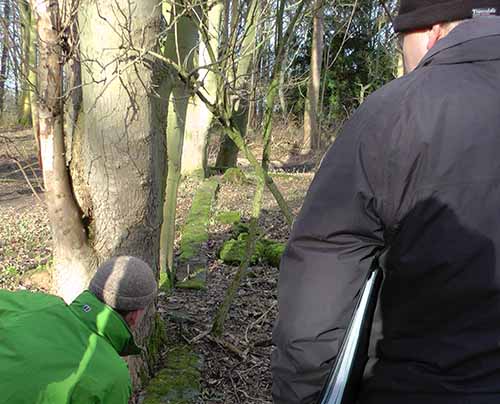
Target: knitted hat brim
pixel 456 10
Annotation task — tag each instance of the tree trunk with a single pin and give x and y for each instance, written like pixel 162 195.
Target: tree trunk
pixel 228 152
pixel 70 244
pixel 180 42
pixel 118 159
pixel 5 53
pixel 194 155
pixel 24 115
pixel 312 136
pixel 33 83
pixel 111 203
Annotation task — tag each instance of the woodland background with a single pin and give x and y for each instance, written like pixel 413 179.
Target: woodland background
pixel 186 133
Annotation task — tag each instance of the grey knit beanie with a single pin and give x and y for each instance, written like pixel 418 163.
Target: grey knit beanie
pixel 124 283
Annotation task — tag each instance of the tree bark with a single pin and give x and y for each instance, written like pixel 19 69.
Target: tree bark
pixel 228 152
pixel 5 53
pixel 180 42
pixel 312 136
pixel 24 115
pixel 118 146
pixel 33 82
pixel 194 155
pixel 71 249
pixel 109 202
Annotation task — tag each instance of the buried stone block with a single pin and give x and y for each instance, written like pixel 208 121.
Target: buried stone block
pixel 191 271
pixel 229 217
pixel 180 381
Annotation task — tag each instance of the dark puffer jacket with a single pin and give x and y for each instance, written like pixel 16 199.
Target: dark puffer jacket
pixel 416 168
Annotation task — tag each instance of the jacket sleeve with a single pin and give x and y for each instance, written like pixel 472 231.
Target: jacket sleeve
pixel 327 258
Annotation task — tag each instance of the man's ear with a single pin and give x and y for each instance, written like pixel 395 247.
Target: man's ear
pixel 435 34
pixel 133 317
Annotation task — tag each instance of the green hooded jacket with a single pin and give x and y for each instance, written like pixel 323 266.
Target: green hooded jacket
pixel 52 353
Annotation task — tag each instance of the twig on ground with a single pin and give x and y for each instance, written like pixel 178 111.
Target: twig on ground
pixel 227 345
pixel 199 337
pixel 262 317
pixel 27 179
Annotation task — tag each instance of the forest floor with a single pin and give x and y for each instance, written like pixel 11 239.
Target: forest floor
pixel 236 367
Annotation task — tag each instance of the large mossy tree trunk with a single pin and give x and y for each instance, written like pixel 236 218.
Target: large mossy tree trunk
pixel 312 135
pixel 196 135
pixel 228 152
pixel 179 46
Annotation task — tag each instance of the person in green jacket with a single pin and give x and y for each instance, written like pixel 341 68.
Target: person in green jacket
pixel 54 353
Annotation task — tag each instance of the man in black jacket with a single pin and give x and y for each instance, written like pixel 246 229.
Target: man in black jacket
pixel 416 169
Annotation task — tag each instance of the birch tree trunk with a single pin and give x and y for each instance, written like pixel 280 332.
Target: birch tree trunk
pixel 312 137
pixel 180 43
pixel 194 154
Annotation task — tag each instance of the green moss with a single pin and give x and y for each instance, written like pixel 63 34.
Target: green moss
pixel 195 284
pixel 273 253
pixel 240 228
pixel 179 382
pixel 196 281
pixel 235 176
pixel 195 231
pixel 200 173
pixel 156 341
pixel 165 282
pixel 233 251
pixel 229 217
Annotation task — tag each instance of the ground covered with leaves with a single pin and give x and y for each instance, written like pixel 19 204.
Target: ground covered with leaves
pixel 236 367
pixel 24 227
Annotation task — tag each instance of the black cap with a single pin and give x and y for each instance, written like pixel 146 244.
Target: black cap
pixel 419 14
